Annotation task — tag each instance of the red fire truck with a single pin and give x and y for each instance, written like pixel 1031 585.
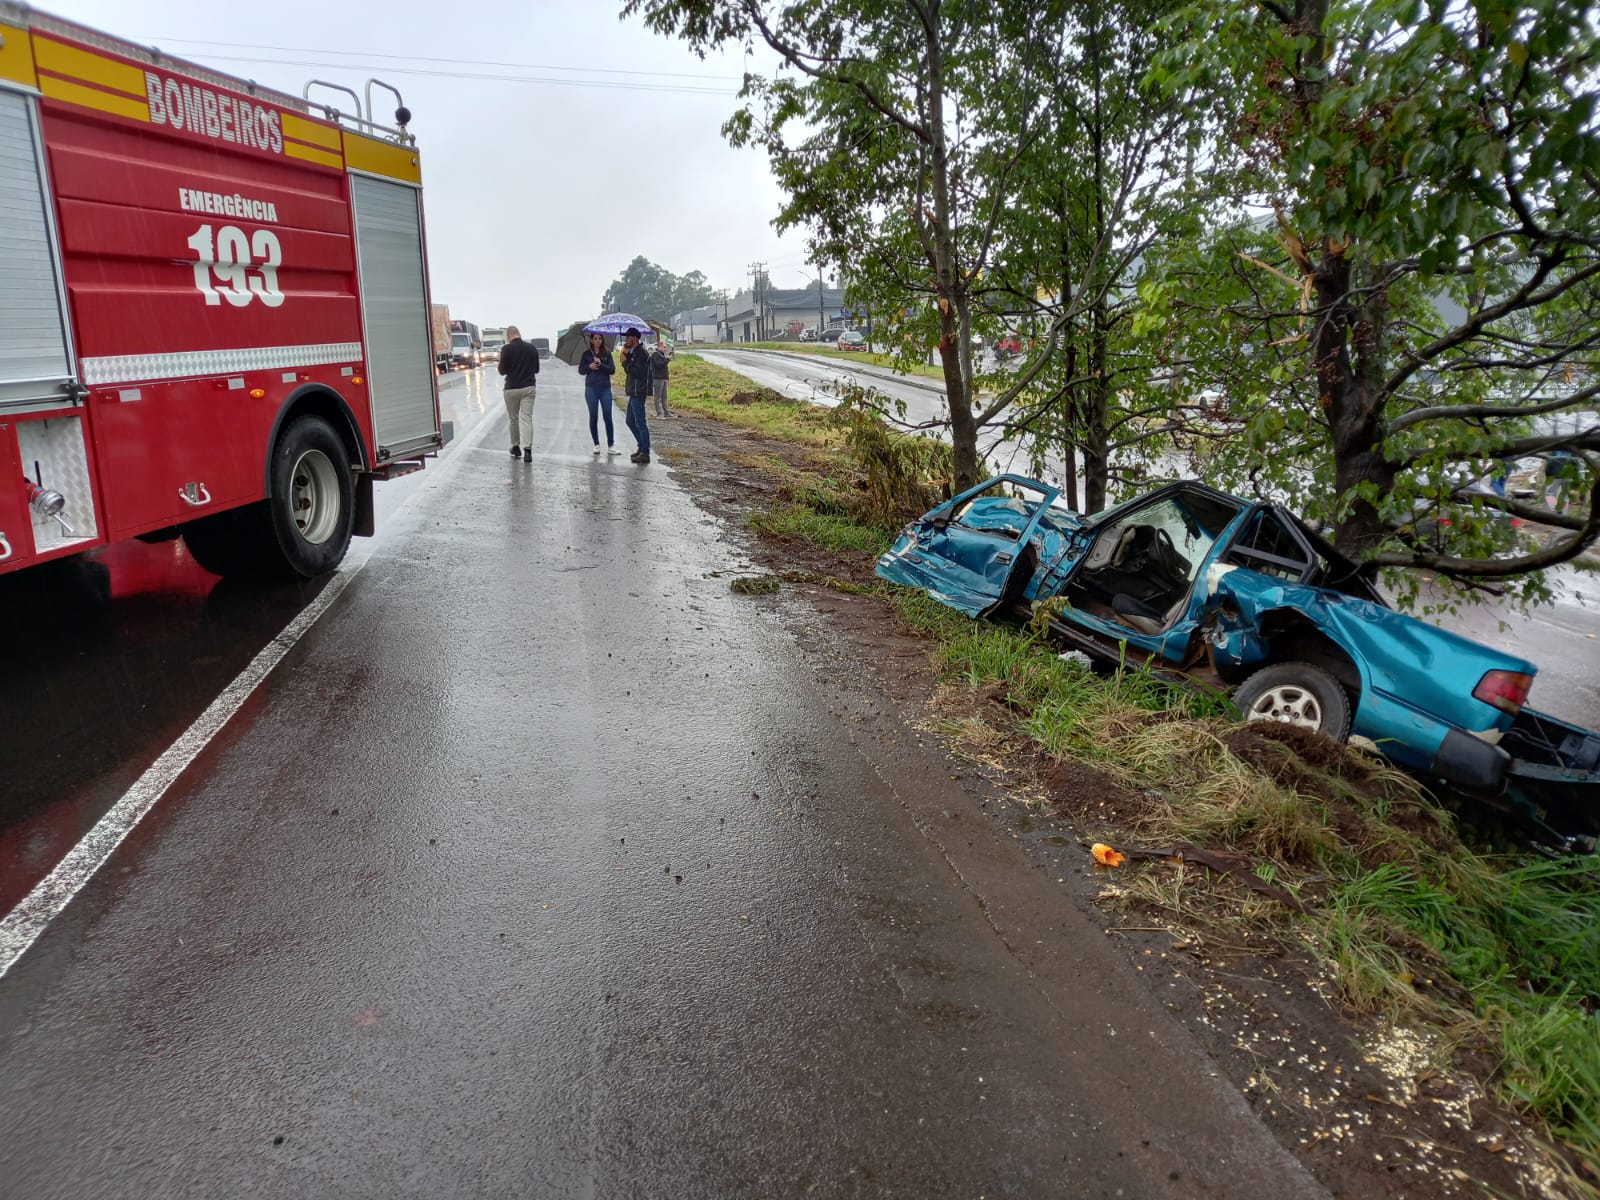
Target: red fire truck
pixel 214 314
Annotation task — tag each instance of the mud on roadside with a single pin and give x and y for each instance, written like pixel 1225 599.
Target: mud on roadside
pixel 1370 1111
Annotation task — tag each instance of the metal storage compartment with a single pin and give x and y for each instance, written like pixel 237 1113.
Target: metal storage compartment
pixel 394 310
pixel 35 354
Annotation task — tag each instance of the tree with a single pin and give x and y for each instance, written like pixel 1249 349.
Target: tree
pixel 872 131
pixel 1429 308
pixel 1106 182
pixel 652 292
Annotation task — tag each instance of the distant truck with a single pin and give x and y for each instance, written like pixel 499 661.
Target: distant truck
pixel 465 343
pixel 542 345
pixel 441 336
pixel 493 339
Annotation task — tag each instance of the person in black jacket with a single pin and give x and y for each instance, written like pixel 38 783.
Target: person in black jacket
pixel 636 362
pixel 519 363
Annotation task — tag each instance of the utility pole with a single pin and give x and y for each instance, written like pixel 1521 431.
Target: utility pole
pixel 754 270
pixel 822 317
pixel 758 289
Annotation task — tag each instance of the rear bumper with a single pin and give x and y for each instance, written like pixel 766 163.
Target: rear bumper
pixel 1470 762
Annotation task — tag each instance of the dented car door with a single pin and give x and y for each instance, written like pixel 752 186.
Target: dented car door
pixel 964 552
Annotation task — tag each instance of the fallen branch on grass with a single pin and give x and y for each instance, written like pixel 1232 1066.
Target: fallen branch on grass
pixel 1224 862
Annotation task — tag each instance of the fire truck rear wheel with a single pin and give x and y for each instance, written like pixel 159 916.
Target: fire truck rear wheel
pixel 303 529
pixel 312 509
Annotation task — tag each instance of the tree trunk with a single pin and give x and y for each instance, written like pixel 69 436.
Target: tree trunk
pixel 946 269
pixel 1069 360
pixel 1096 467
pixel 1349 393
pixel 1097 392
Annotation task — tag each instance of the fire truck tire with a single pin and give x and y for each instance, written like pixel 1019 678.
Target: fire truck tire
pixel 303 529
pixel 312 509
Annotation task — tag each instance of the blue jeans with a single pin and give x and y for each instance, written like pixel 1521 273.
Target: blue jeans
pixel 600 402
pixel 637 424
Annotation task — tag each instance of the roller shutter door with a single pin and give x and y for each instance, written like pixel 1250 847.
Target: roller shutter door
pixel 394 308
pixel 34 359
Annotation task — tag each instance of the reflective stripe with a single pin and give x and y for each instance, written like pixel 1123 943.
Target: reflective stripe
pixel 127 368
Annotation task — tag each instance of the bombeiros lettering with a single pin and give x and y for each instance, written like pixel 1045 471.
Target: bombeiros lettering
pixel 197 109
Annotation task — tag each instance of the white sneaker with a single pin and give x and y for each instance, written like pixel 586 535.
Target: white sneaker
pixel 612 450
pixel 597 449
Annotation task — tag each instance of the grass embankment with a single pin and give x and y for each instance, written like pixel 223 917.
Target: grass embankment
pixel 1497 954
pixel 872 359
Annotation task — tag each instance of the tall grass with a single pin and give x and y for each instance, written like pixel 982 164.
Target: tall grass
pixel 707 389
pixel 1522 940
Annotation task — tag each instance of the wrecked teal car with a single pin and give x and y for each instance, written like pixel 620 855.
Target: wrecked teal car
pixel 1242 595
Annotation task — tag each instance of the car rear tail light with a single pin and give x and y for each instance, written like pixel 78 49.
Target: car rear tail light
pixel 1504 689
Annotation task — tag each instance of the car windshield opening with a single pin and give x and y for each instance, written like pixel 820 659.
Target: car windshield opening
pixel 1143 565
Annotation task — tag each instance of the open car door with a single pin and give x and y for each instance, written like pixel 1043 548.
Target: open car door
pixel 964 552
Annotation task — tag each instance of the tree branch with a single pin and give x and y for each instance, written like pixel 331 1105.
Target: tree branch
pixel 1518 508
pixel 1511 448
pixel 1474 411
pixel 796 59
pixel 1558 552
pixel 1526 296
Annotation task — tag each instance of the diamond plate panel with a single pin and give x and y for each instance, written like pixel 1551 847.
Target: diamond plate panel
pixel 56 446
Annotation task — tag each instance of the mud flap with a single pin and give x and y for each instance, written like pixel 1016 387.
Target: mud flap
pixel 366 522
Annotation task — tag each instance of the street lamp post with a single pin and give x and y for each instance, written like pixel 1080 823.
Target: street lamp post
pixel 822 318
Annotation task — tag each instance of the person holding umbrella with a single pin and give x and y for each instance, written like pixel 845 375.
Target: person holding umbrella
pixel 597 367
pixel 636 362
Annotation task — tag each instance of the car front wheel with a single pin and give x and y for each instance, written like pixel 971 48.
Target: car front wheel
pixel 1296 693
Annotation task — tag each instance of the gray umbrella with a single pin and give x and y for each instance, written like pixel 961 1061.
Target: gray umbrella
pixel 571 344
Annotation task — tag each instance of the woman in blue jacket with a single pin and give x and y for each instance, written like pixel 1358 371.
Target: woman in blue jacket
pixel 597 367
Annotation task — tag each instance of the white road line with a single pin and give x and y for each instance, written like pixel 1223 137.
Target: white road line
pixel 25 923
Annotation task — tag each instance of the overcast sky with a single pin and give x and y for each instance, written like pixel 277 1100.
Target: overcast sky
pixel 522 227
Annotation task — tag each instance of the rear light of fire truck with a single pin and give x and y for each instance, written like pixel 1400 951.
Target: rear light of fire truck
pixel 1506 690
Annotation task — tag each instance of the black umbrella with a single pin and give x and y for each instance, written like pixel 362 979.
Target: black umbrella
pixel 571 344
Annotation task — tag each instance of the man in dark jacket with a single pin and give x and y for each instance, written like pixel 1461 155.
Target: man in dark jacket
pixel 636 362
pixel 519 363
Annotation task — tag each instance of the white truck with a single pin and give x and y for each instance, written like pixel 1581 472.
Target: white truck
pixel 491 342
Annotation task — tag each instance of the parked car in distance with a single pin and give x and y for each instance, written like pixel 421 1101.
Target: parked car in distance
pixel 1234 593
pixel 852 339
pixel 830 335
pixel 808 335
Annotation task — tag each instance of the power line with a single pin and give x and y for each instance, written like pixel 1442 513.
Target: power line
pixel 602 84
pixel 464 62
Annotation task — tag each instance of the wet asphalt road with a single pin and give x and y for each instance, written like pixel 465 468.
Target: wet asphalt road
pixel 544 865
pixel 124 647
pixel 1562 638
